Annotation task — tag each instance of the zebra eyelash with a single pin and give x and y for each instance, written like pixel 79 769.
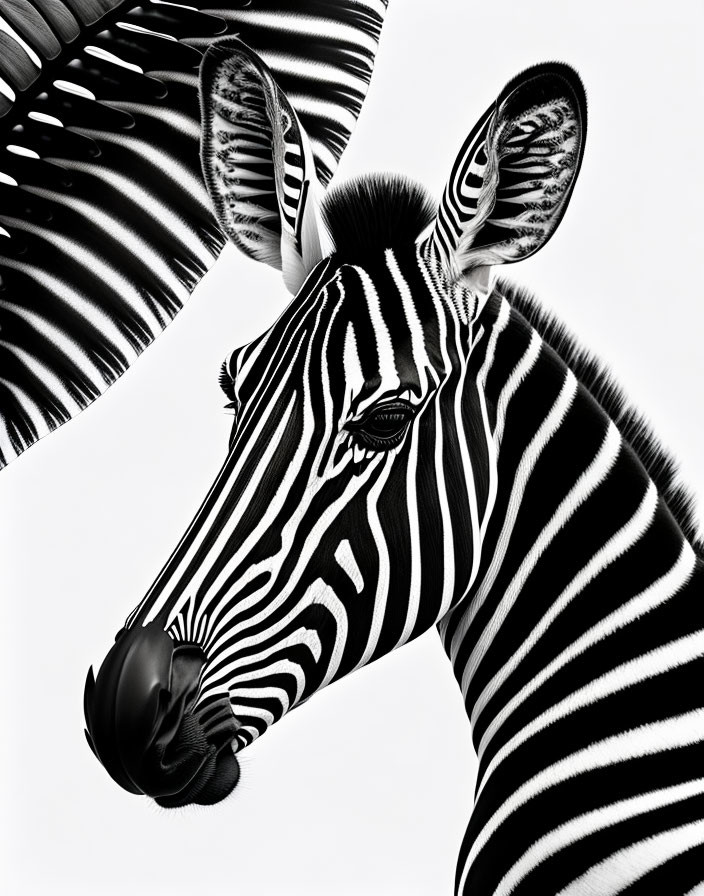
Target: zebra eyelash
pixel 382 427
pixel 227 383
pixel 232 408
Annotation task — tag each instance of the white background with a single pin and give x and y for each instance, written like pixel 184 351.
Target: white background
pixel 367 789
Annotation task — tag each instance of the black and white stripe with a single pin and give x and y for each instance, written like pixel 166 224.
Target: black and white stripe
pixel 325 576
pixel 579 650
pixel 105 223
pixel 414 446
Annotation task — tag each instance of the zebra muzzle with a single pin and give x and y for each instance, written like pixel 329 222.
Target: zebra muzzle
pixel 143 726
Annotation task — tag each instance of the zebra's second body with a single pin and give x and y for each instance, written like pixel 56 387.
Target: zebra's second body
pixel 409 451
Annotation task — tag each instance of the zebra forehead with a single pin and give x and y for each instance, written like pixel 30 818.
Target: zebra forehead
pixel 375 212
pixel 378 297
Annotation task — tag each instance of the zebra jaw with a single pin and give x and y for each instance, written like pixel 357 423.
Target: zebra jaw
pixel 142 726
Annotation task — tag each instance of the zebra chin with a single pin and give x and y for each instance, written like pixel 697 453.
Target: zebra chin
pixel 144 727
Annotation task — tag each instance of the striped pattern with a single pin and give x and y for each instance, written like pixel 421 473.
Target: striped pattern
pixel 287 572
pixel 409 451
pixel 495 209
pixel 580 652
pixel 258 162
pixel 105 224
pixel 515 514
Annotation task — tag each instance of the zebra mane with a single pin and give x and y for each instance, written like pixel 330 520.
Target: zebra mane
pixel 374 212
pixel 634 427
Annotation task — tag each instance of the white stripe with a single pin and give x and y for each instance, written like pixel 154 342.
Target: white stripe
pixel 500 325
pixel 30 409
pixel 418 349
pixel 656 737
pixel 327 598
pixel 354 378
pixel 93 263
pixel 168 164
pixel 184 124
pixel 252 486
pixel 589 480
pixel 656 662
pixel 225 479
pixel 322 152
pixel 149 204
pixel 520 372
pixel 498 328
pixel 283 667
pixel 614 874
pixel 103 326
pixel 62 343
pixel 312 70
pixel 268 692
pixel 346 559
pixel 46 377
pixel 253 712
pixel 294 469
pixel 416 571
pixel 444 311
pixel 299 637
pixel 112 226
pixel 448 548
pixel 467 468
pixel 385 349
pixel 270 604
pixel 657 593
pixel 288 534
pixel 253 732
pixel 6 449
pixel 698 890
pixel 382 584
pixel 614 548
pixel 179 77
pixel 321 108
pixel 531 455
pixel 309 26
pixel 624 867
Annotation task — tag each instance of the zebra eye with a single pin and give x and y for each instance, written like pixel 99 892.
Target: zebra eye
pixel 383 427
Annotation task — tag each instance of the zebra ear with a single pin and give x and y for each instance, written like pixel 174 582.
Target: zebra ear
pixel 258 163
pixel 512 180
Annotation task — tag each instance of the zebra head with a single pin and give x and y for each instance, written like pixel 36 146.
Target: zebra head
pixel 349 514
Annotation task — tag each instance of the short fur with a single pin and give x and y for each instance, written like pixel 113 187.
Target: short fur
pixel 376 212
pixel 632 424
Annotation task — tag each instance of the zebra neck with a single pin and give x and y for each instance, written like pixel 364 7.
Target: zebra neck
pixel 578 547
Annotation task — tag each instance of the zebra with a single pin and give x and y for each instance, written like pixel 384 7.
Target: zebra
pixel 417 443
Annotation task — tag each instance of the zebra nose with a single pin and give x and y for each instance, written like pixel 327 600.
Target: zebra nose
pixel 138 717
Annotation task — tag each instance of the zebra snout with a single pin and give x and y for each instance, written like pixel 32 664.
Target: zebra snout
pixel 142 727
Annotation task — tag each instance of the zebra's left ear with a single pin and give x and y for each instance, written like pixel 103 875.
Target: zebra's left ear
pixel 512 180
pixel 258 163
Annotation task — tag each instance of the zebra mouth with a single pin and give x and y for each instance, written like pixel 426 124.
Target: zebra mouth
pixel 215 780
pixel 208 732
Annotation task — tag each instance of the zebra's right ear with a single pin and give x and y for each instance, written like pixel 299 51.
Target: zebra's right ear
pixel 514 175
pixel 258 163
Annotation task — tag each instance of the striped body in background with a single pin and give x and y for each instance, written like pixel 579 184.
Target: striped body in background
pixel 416 445
pixel 105 223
